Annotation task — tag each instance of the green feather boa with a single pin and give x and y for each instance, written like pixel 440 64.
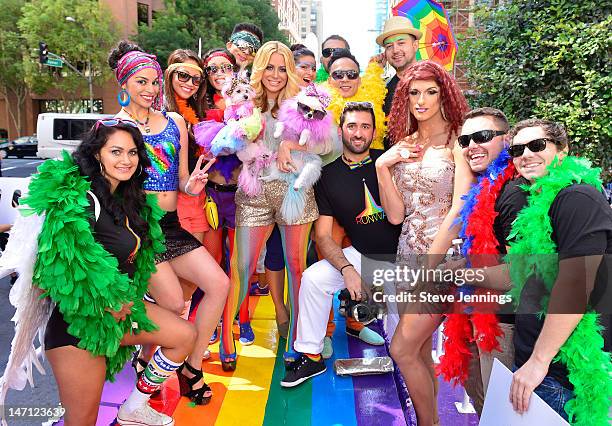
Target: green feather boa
pixel 322 75
pixel 590 368
pixel 78 274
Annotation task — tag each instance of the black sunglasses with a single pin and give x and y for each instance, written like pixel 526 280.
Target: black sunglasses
pixel 184 77
pixel 328 51
pixel 312 113
pixel 535 145
pixel 213 69
pixel 340 74
pixel 482 136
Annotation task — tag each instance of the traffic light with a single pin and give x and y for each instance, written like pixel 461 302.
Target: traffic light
pixel 43 52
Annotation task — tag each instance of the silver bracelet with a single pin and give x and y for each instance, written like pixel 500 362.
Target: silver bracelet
pixel 186 191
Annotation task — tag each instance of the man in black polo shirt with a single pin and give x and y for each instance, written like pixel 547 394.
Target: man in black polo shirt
pixel 347 192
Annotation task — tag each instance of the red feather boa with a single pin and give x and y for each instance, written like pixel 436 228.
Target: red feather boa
pixel 462 329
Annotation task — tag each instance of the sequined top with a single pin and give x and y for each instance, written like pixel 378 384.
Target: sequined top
pixel 163 150
pixel 427 191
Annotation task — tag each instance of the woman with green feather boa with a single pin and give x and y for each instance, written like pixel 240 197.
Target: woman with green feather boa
pixel 96 253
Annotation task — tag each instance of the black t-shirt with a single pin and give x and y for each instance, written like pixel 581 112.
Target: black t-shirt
pixel 582 226
pixel 391 86
pixel 352 198
pixel 512 199
pixel 115 238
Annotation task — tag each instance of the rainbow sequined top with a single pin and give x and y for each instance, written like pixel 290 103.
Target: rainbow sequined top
pixel 163 150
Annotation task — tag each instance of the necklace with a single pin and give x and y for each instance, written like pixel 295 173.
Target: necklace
pixel 145 125
pixel 425 140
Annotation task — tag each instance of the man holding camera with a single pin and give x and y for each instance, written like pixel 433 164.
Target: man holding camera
pixel 347 192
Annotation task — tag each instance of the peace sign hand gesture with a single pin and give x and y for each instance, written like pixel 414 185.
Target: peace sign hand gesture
pixel 199 177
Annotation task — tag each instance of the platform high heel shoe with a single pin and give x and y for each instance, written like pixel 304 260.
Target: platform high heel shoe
pixel 187 383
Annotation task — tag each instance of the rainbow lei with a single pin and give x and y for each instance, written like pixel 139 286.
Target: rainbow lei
pixel 476 218
pixel 589 366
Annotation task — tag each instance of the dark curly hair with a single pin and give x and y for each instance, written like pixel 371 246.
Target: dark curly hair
pixel 553 130
pixel 121 49
pixel 129 198
pixel 452 102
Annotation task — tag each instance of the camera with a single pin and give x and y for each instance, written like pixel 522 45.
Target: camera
pixel 365 310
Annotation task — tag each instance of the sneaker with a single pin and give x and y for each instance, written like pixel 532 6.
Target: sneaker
pixel 366 335
pixel 143 416
pixel 328 349
pixel 247 337
pixel 256 290
pixel 301 370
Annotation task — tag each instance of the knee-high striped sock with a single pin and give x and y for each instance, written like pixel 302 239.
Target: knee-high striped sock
pixel 157 371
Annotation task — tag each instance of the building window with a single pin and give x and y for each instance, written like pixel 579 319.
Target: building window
pixel 143 14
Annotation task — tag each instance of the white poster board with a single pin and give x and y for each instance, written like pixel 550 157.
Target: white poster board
pixel 498 411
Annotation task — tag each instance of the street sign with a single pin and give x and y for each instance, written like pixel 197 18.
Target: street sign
pixel 52 62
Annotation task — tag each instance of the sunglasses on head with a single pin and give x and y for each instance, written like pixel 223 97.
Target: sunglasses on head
pixel 305 66
pixel 112 122
pixel 224 68
pixel 340 74
pixel 328 51
pixel 483 136
pixel 306 110
pixel 535 145
pixel 184 77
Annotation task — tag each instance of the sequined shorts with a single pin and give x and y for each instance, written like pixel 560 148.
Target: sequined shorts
pixel 264 209
pixel 178 241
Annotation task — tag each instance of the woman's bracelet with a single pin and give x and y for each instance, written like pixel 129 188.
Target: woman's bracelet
pixel 345 266
pixel 186 191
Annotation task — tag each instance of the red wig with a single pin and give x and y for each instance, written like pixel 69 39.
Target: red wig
pixel 402 123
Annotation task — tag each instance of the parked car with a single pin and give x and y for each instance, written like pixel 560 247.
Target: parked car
pixel 58 132
pixel 20 147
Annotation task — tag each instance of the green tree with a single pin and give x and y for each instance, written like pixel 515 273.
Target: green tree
pixel 548 59
pixel 12 83
pixel 184 22
pixel 84 42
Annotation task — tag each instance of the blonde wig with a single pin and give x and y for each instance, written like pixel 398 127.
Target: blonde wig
pixel 261 61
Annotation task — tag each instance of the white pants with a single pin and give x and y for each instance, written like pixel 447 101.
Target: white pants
pixel 319 283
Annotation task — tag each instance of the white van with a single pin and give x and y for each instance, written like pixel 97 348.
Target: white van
pixel 57 131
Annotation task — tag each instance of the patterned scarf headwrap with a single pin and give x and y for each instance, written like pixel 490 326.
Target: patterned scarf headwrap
pixel 134 61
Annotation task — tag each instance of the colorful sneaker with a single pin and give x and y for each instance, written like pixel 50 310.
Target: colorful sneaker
pixel 247 337
pixel 256 290
pixel 143 415
pixel 301 370
pixel 328 349
pixel 291 357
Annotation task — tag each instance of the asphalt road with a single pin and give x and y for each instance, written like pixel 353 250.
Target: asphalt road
pixel 19 167
pixel 44 394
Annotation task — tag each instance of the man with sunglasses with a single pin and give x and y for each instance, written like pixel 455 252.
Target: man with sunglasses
pixel 400 40
pixel 568 214
pixel 483 145
pixel 330 45
pixel 244 42
pixel 348 193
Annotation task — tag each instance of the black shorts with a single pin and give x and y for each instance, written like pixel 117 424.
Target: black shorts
pixel 178 241
pixel 56 333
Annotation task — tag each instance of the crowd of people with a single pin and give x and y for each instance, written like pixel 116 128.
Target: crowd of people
pixel 408 169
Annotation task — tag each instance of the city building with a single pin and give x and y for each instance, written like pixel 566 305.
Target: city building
pixel 128 14
pixel 311 24
pixel 288 12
